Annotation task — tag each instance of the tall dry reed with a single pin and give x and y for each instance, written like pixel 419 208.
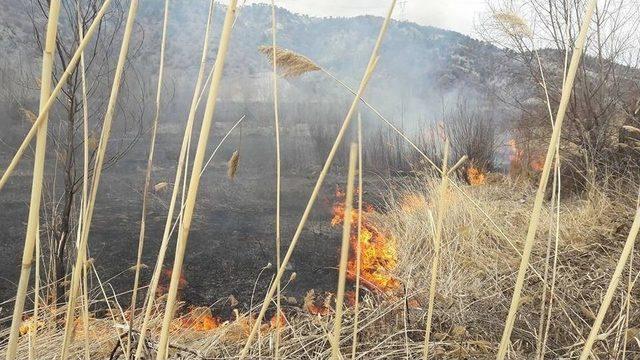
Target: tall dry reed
pixel 33 222
pixel 195 178
pixel 276 126
pixel 76 272
pixel 147 178
pixel 344 254
pixel 149 303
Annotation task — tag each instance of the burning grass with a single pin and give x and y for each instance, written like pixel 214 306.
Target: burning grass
pixel 473 293
pixel 379 257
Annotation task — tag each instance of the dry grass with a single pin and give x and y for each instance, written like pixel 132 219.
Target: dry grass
pixel 475 279
pixel 456 272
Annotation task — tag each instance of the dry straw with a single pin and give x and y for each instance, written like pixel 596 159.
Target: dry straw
pixel 276 126
pixel 176 188
pixel 85 188
pixel 195 179
pixel 38 175
pixel 344 254
pixel 437 240
pixel 325 169
pixel 106 130
pixel 356 305
pixel 537 207
pixel 147 181
pixel 613 285
pixel 44 109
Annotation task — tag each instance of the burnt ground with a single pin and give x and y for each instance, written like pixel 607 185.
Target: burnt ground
pixel 232 237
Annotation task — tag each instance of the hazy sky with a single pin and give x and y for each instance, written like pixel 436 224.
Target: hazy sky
pixel 458 15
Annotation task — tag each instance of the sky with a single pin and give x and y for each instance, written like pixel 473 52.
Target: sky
pixel 457 15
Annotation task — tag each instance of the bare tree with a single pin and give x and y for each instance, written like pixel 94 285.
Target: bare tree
pixel 540 35
pixel 67 117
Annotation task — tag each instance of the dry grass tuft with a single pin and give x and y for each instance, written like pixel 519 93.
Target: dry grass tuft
pixel 290 64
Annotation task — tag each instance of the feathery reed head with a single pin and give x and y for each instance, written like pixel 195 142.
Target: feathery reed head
pixel 232 165
pixel 513 24
pixel 291 64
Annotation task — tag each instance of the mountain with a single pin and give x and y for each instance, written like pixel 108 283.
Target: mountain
pixel 420 67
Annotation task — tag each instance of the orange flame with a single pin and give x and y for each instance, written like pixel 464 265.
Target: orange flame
pixel 165 280
pixel 199 319
pixel 316 305
pixel 518 161
pixel 475 176
pixel 378 251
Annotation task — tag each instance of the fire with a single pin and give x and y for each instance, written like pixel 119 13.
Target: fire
pixel 316 305
pixel 519 162
pixel 278 321
pixel 165 280
pixel 475 176
pixel 199 319
pixel 378 251
pixel 537 165
pixel 30 325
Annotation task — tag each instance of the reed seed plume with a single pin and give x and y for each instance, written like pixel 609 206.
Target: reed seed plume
pixel 290 64
pixel 513 24
pixel 232 165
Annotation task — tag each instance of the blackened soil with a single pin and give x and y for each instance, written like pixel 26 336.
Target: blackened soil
pixel 232 237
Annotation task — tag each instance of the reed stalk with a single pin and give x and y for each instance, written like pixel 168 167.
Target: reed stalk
pixel 544 178
pixel 153 286
pixel 147 179
pixel 613 285
pixel 276 126
pixel 33 222
pixel 33 333
pixel 85 187
pixel 44 109
pixel 344 254
pixel 195 178
pixel 100 154
pixel 437 244
pixel 356 305
pixel 325 169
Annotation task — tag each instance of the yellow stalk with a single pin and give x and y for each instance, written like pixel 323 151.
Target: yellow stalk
pixel 354 342
pixel 344 254
pixel 325 169
pixel 85 189
pixel 147 180
pixel 100 153
pixel 33 333
pixel 51 99
pixel 437 241
pixel 195 178
pixel 176 188
pixel 544 178
pixel 38 175
pixel 613 285
pixel 276 126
